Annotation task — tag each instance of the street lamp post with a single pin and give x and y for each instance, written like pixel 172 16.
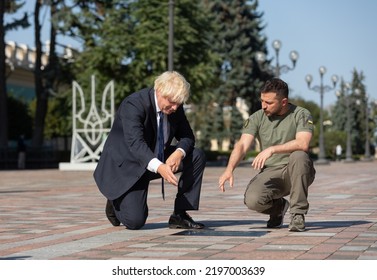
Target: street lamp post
pixel 278 69
pixel 171 36
pixel 321 89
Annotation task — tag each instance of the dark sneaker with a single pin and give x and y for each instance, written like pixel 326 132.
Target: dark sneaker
pixel 276 221
pixel 297 223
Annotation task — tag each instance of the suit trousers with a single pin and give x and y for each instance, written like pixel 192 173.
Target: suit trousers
pixel 265 191
pixel 131 208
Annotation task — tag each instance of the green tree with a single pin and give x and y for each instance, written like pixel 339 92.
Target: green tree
pixel 356 96
pixel 236 40
pixel 41 94
pixel 235 126
pixel 193 56
pixel 57 111
pixel 105 28
pixel 216 120
pixel 360 97
pixel 45 78
pixel 127 41
pixel 199 117
pixel 315 111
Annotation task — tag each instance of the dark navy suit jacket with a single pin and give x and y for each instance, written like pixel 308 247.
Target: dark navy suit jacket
pixel 131 143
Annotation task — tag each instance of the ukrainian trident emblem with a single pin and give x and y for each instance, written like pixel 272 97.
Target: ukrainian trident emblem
pixel 90 124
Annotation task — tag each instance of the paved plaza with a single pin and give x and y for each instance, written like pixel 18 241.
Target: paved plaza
pixel 59 215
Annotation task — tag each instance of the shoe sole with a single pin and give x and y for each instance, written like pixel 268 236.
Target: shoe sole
pixel 175 227
pixel 296 229
pixel 180 227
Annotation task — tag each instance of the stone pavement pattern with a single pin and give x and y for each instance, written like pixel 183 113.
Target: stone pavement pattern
pixel 51 214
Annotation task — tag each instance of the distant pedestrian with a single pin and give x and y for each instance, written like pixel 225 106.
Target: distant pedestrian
pixel 338 152
pixel 21 149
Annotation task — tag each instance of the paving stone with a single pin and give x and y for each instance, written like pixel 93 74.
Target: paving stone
pixel 59 215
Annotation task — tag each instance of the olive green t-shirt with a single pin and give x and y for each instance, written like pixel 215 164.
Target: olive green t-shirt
pixel 276 130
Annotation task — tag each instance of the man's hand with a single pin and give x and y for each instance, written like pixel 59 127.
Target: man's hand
pixel 175 160
pixel 238 153
pixel 260 159
pixel 226 176
pixel 165 171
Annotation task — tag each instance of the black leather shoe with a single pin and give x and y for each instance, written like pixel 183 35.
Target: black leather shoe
pixel 110 214
pixel 183 220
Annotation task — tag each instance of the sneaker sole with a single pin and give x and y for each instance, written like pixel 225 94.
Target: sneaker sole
pixel 296 229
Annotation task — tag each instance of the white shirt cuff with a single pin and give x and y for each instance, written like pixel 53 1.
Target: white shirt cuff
pixel 183 152
pixel 154 164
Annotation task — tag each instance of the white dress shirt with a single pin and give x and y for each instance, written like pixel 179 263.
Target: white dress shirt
pixel 155 162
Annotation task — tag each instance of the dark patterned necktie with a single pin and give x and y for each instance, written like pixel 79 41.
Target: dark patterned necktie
pixel 161 143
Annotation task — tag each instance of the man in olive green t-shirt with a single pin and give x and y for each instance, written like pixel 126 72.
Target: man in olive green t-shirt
pixel 283 131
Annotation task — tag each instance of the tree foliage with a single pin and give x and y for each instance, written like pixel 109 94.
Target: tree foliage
pixel 127 41
pixel 215 45
pixel 237 38
pixel 236 124
pixel 41 87
pixel 315 112
pixel 355 100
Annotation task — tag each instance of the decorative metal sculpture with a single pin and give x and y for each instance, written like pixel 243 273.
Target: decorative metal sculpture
pixel 90 128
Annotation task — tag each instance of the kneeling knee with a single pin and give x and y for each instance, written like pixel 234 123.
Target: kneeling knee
pixel 134 224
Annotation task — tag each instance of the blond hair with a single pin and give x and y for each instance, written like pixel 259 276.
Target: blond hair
pixel 172 85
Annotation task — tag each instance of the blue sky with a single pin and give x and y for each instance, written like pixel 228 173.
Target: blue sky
pixel 337 34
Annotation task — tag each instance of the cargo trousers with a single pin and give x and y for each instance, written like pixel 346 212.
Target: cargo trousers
pixel 265 191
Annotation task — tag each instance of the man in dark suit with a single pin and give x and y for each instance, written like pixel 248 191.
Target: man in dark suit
pixel 145 124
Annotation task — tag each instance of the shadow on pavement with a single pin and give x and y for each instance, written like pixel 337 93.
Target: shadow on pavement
pixel 333 224
pixel 15 258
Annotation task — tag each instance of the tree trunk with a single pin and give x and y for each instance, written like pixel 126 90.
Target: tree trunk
pixel 50 73
pixel 3 85
pixel 41 94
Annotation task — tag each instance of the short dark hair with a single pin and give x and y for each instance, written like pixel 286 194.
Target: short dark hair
pixel 277 86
